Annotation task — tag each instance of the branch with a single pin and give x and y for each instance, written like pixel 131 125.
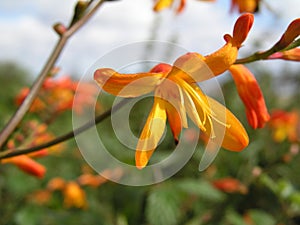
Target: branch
pixel 15 152
pixel 265 55
pixel 24 107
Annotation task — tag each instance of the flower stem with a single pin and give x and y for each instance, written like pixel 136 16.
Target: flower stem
pixel 24 107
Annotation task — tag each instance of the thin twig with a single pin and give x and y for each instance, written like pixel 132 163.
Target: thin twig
pixel 15 152
pixel 24 107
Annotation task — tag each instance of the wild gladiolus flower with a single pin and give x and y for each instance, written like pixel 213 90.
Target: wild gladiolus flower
pixel 176 96
pixel 251 95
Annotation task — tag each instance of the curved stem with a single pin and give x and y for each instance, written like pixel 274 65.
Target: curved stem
pixel 24 107
pixel 15 152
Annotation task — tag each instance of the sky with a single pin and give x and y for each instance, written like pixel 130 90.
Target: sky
pixel 27 37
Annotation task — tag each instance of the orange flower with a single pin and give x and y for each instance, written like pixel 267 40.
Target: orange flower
pixel 27 164
pixel 74 196
pixel 37 105
pixel 251 95
pixel 230 185
pixel 250 6
pixel 57 95
pixel 176 96
pixel 284 125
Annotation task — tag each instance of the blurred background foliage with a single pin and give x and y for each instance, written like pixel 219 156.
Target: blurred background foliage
pixel 258 186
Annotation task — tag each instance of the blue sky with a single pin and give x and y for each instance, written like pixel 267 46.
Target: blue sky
pixel 27 37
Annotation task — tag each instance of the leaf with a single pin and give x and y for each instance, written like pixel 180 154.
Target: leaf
pixel 260 217
pixel 201 189
pixel 163 207
pixel 234 218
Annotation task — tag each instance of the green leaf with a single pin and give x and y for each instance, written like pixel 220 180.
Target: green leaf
pixel 260 217
pixel 234 218
pixel 201 189
pixel 163 207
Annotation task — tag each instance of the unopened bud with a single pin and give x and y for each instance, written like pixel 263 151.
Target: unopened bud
pixel 291 33
pixel 59 28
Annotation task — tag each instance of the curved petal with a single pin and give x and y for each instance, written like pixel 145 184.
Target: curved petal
pixel 235 136
pixel 220 125
pixel 151 133
pixel 127 85
pixel 241 28
pixel 251 95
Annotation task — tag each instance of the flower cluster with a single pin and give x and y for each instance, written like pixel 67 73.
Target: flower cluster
pixel 31 134
pixel 59 94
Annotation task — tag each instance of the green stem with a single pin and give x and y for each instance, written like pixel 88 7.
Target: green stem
pixel 24 107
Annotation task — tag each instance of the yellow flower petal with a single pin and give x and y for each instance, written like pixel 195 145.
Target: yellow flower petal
pixel 127 85
pixel 151 133
pixel 235 136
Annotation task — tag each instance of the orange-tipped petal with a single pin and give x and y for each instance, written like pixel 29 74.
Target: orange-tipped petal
pixel 151 133
pixel 291 33
pixel 251 95
pixel 127 85
pixel 242 28
pixel 235 136
pixel 28 165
